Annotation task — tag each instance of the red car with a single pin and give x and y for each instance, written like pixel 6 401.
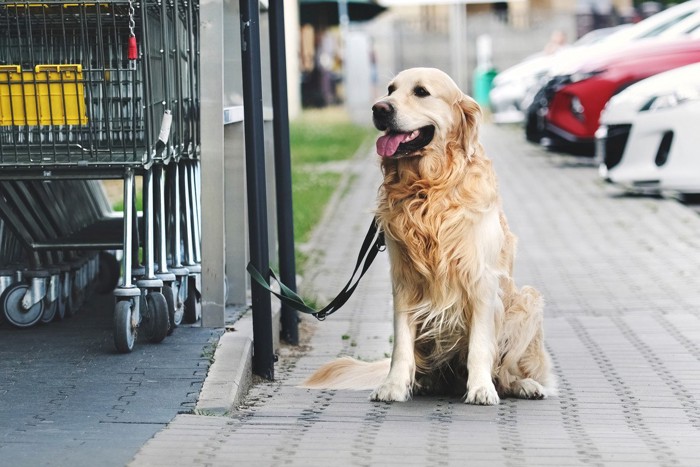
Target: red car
pixel 574 102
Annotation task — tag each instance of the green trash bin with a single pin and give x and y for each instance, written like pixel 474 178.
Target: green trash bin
pixel 483 80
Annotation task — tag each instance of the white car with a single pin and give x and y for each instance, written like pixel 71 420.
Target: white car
pixel 649 136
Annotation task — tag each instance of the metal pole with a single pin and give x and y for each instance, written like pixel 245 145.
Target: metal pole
pixel 159 192
pixel 263 354
pixel 129 214
pixel 283 168
pixel 148 221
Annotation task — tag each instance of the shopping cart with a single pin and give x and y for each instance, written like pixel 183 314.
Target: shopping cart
pixel 93 91
pixel 178 182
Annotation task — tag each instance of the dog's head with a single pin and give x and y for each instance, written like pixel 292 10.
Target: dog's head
pixel 424 109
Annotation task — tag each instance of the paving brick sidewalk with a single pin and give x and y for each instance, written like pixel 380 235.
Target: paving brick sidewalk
pixel 620 275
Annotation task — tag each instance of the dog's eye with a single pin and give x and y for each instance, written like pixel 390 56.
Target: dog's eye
pixel 391 89
pixel 420 91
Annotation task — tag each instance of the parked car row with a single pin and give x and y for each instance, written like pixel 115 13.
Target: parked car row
pixel 631 99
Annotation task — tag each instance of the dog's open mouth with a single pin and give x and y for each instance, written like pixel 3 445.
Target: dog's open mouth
pixel 398 144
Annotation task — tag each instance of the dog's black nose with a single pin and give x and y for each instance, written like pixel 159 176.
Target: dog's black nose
pixel 382 109
pixel 382 113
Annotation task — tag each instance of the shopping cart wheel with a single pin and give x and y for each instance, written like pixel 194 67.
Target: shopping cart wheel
pixel 124 327
pixel 174 312
pixel 179 305
pixel 193 305
pixel 155 320
pixel 15 314
pixel 50 309
pixel 107 273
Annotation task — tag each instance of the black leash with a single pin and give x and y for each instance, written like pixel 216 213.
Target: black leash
pixel 373 244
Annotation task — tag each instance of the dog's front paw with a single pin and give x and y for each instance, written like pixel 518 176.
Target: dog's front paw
pixel 527 388
pixel 391 391
pixel 482 395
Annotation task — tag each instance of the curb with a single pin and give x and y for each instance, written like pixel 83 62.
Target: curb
pixel 230 376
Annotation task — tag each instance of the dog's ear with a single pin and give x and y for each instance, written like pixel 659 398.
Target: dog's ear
pixel 470 119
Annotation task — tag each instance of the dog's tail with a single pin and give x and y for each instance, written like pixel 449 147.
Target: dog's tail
pixel 348 373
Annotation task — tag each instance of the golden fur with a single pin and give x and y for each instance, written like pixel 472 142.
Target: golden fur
pixel 460 322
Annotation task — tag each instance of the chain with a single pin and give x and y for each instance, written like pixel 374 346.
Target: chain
pixel 132 22
pixel 132 50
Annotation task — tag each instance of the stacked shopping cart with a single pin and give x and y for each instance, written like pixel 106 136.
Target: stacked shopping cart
pixel 89 92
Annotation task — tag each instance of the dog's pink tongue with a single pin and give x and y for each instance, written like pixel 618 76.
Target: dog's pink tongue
pixel 388 144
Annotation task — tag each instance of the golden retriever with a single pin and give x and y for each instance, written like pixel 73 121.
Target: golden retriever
pixel 460 323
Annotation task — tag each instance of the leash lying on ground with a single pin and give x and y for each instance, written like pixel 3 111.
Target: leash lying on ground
pixel 373 243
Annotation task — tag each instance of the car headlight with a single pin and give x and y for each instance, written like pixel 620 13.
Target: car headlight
pixel 671 99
